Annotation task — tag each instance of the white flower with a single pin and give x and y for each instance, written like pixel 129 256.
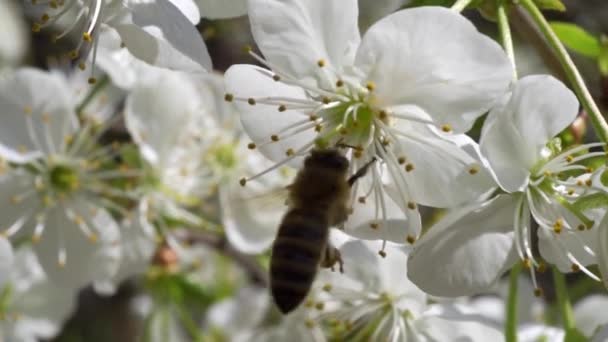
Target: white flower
pixel 221 9
pixel 159 32
pixel 52 189
pixel 391 95
pixel 6 260
pixel 375 301
pixel 32 307
pixel 13 34
pixel 471 247
pixel 589 314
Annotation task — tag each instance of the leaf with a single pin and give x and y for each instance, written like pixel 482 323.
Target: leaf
pixel 602 60
pixel 573 335
pixel 592 201
pixel 556 5
pixel 577 39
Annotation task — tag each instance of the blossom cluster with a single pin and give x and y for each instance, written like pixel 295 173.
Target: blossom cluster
pixel 133 158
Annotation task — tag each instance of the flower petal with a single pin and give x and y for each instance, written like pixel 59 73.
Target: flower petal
pixel 516 131
pixel 589 313
pixel 295 34
pixel 159 34
pixel 467 251
pixel 13 34
pixel 221 9
pixel 261 121
pixel 37 114
pixel 159 115
pixel 6 260
pixel 446 322
pixel 441 170
pixel 436 59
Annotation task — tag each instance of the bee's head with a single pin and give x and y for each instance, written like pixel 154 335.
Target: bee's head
pixel 327 158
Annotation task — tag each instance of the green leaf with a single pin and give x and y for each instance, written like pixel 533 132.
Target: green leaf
pixel 592 201
pixel 602 60
pixel 577 39
pixel 573 335
pixel 556 5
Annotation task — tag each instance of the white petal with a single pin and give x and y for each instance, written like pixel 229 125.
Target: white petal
pixel 518 129
pixel 454 323
pixel 240 313
pixel 85 261
pixel 13 33
pixel 295 34
pixel 221 9
pixel 447 169
pixel 467 251
pixel 158 115
pixel 538 332
pixel 189 9
pixel 555 247
pixel 6 260
pixel 48 100
pixel 603 250
pixel 589 314
pixel 261 121
pixel 161 35
pixel 436 59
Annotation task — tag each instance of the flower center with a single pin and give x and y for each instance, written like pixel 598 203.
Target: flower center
pixel 63 178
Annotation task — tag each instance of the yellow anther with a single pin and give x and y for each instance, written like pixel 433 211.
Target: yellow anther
pixel 86 36
pixel 361 200
pixel 44 18
pixel 374 225
pixel 251 146
pixel 243 181
pixel 382 114
pixel 589 170
pixel 570 192
pixel 339 83
pixel 313 117
pixel 542 267
pixel 410 239
pixel 409 167
pixel 53 4
pixel 579 182
pixel 277 78
pixel 282 108
pixel 309 323
pixel 36 27
pixel 411 205
pixel 228 97
pixel 538 292
pixel 581 227
pixel 247 48
pixel 575 268
pixel 274 137
pixel 382 253
pixel 318 128
pixel 326 100
pixel 73 54
pixel 588 182
pixel 309 303
pixel 548 173
pixel 401 160
pixel 326 287
pixel 558 225
pixel 319 306
pixel 371 86
pixel 474 170
pixel 92 80
pixel 569 159
pixel 358 154
pixel 93 238
pixel 290 152
pixel 27 110
pixel 527 263
pixel 343 131
pixel 251 101
pixel 446 128
pixel 82 66
pixel 321 63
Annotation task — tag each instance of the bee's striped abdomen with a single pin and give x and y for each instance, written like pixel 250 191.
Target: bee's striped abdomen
pixel 296 253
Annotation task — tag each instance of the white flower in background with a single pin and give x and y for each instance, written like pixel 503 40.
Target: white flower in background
pixel 222 9
pixel 52 186
pixel 395 94
pixel 13 34
pixel 373 300
pixel 159 32
pixel 540 332
pixel 472 246
pixel 32 307
pixel 6 260
pixel 589 314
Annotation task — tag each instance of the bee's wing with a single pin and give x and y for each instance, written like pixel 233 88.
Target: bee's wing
pixel 251 218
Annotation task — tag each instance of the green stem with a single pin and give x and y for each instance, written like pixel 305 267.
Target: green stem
pixel 189 324
pixel 99 85
pixel 511 319
pixel 599 123
pixel 562 299
pixel 505 35
pixel 460 5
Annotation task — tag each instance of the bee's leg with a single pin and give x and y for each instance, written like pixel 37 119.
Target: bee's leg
pixel 331 256
pixel 361 172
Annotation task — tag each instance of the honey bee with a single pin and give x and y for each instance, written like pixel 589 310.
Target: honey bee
pixel 318 199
